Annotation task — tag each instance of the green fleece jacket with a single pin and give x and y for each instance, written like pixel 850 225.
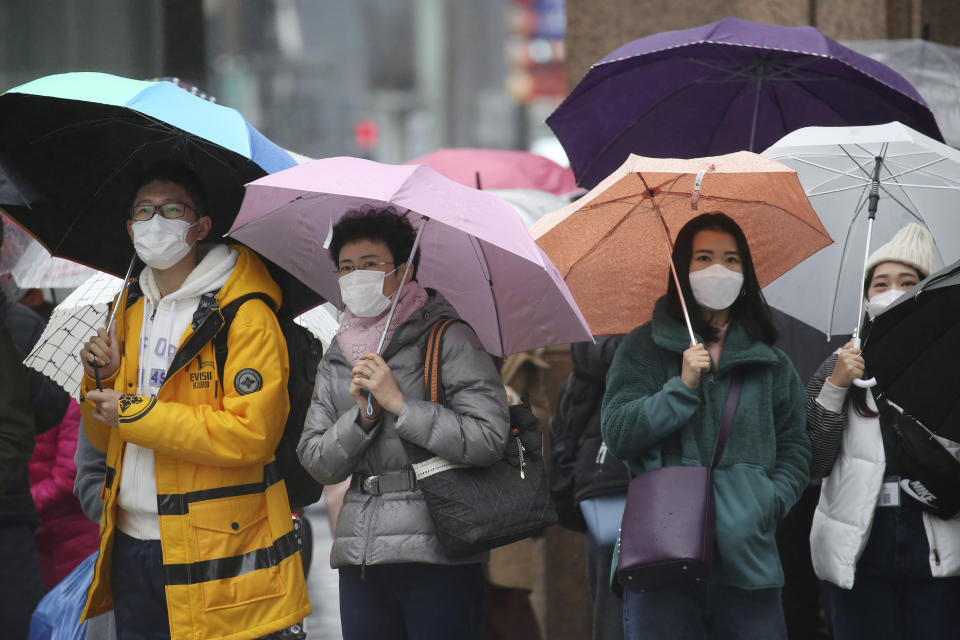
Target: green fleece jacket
pixel 651 419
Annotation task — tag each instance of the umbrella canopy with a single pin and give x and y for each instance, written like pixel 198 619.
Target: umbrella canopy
pixel 610 246
pixel 724 87
pixel 474 249
pixel 530 203
pixel 919 181
pixel 499 169
pixel 32 266
pixel 908 350
pixel 73 321
pixel 74 144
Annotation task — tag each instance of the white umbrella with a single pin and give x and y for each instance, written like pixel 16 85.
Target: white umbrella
pixel 84 311
pixel 32 266
pixel 71 324
pixel 918 181
pixel 531 204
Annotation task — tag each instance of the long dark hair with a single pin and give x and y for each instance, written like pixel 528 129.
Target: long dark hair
pixel 750 308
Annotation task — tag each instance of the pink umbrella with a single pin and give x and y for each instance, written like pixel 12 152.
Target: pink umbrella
pixel 474 249
pixel 500 169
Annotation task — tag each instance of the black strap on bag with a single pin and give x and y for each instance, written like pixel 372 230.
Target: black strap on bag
pixel 929 474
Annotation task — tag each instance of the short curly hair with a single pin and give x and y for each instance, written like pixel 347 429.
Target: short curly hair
pixel 384 224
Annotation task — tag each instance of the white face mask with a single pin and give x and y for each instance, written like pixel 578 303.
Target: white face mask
pixel 716 287
pixel 362 292
pixel 161 242
pixel 881 301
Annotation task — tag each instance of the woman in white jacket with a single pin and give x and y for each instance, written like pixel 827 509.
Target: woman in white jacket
pixel 890 568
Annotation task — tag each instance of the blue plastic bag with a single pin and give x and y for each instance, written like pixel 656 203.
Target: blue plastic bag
pixel 57 617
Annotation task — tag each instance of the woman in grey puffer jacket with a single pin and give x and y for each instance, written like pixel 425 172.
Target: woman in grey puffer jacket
pixel 395 580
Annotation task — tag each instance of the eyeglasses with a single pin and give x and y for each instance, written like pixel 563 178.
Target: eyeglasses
pixel 170 210
pixel 363 266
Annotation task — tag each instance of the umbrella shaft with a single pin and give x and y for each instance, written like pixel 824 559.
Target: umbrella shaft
pixel 403 281
pixel 126 278
pixel 866 257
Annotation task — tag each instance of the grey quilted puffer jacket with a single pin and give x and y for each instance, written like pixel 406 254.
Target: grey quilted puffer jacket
pixel 472 428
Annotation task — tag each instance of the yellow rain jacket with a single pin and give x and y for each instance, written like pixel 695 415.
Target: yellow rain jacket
pixel 231 562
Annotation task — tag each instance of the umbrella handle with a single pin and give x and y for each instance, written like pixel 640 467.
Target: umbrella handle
pixel 860 382
pixel 369 403
pixel 96 373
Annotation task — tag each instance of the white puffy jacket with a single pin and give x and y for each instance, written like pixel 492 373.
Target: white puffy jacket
pixel 848 451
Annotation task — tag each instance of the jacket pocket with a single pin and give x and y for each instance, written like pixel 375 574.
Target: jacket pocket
pixel 232 537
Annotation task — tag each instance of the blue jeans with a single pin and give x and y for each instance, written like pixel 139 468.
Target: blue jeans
pixel 703 611
pixel 411 601
pixel 894 595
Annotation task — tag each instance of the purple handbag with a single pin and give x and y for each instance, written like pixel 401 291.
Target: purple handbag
pixel 666 537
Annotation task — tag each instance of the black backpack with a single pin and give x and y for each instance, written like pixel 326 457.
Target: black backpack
pixel 304 351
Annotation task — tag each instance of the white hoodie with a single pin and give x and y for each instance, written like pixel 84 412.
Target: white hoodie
pixel 165 321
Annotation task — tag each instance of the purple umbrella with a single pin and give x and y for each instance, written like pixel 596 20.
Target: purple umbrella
pixel 723 87
pixel 474 246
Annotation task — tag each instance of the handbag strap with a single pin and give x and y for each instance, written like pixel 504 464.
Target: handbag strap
pixel 733 397
pixel 432 383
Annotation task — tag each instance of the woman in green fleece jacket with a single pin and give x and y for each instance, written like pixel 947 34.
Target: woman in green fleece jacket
pixel 662 407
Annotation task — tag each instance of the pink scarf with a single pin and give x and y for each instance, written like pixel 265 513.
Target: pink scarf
pixel 358 336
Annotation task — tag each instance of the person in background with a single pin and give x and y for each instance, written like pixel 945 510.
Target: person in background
pixel 889 567
pixel 21 586
pixel 396 581
pixel 662 407
pixel 65 536
pixel 582 469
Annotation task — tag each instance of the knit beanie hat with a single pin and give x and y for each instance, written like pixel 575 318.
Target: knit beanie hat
pixel 912 245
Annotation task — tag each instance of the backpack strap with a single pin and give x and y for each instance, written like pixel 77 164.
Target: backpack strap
pixel 229 312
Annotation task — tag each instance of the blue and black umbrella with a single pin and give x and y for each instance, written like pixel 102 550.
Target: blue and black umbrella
pixel 73 144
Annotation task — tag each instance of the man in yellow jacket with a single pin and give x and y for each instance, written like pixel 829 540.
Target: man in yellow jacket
pixel 196 538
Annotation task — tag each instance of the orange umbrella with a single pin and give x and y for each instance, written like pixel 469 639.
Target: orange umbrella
pixel 612 246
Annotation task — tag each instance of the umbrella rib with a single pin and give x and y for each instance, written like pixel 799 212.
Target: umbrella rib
pixel 921 170
pixel 485 265
pixel 636 121
pixel 92 124
pixel 843 255
pixel 606 235
pixel 778 107
pixel 113 174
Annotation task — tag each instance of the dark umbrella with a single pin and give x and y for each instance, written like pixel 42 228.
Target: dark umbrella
pixel 74 143
pixel 910 349
pixel 727 86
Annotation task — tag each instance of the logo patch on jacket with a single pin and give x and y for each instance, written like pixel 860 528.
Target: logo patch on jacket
pixel 248 381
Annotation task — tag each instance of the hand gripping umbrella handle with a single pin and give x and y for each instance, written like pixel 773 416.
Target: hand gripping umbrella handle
pixel 860 382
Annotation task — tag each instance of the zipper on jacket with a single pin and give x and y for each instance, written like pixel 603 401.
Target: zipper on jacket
pixel 928 525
